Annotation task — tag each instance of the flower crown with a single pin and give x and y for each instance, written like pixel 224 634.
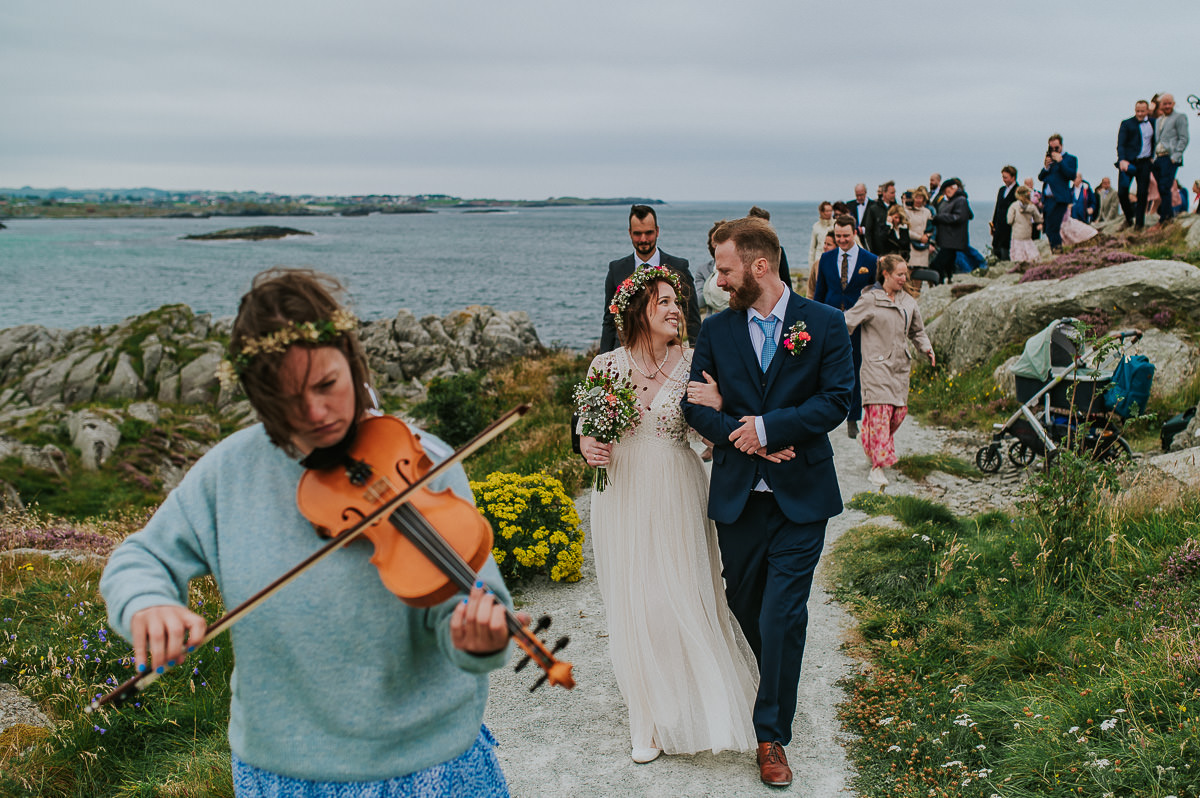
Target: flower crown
pixel 636 282
pixel 321 331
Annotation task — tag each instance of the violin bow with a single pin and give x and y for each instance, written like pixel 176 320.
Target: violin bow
pixel 141 681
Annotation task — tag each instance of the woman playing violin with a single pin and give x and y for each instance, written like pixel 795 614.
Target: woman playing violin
pixel 339 687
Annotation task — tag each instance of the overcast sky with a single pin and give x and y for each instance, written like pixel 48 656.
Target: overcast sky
pixel 676 99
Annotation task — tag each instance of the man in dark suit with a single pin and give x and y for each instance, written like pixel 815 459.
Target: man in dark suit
pixel 875 220
pixel 1135 154
pixel 1057 173
pixel 782 365
pixel 858 209
pixel 643 232
pixel 842 274
pixel 1005 197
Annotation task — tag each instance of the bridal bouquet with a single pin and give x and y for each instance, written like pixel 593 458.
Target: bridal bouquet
pixel 607 405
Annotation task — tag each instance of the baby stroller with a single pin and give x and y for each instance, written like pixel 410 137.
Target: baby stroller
pixel 1067 402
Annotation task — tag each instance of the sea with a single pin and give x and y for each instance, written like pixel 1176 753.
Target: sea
pixel 550 262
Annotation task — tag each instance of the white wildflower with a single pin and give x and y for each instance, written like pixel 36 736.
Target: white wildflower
pixel 1072 730
pixel 1109 724
pixel 886 721
pixel 955 763
pixel 893 749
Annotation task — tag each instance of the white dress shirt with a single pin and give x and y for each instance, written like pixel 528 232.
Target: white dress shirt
pixel 639 264
pixel 1147 128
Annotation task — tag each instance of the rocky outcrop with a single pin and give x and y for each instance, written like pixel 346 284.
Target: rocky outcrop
pixel 405 352
pixel 158 369
pixel 247 234
pixel 967 332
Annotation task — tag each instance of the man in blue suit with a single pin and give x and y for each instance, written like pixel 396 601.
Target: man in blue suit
pixel 1056 176
pixel 782 365
pixel 842 274
pixel 1135 154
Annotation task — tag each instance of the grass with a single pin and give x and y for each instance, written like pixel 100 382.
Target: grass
pixel 970 399
pixel 919 466
pixel 1022 655
pixel 56 647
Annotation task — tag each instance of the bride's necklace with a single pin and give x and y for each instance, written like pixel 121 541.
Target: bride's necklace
pixel 654 374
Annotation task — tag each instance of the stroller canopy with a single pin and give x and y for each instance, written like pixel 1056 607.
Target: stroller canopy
pixel 1057 345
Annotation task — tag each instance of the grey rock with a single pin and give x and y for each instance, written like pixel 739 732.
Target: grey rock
pixel 95 436
pixel 1006 381
pixel 967 332
pixel 9 498
pixel 1192 242
pixel 198 379
pixel 124 383
pixel 1190 437
pixel 80 383
pixel 45 458
pixel 148 412
pixel 1175 360
pixel 152 354
pixel 44 384
pixel 1182 464
pixel 168 389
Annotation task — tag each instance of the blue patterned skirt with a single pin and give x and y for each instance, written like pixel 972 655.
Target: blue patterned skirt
pixel 475 773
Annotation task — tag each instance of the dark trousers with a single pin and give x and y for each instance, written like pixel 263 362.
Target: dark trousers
pixel 1052 219
pixel 768 568
pixel 855 412
pixel 945 263
pixel 1135 214
pixel 1164 173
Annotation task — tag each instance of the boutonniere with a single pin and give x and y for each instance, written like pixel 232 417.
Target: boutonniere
pixel 862 270
pixel 796 338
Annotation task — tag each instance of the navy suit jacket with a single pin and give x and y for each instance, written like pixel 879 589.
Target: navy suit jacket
pixel 828 290
pixel 801 397
pixel 1129 139
pixel 1058 176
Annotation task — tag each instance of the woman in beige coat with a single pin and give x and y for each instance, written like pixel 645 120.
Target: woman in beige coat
pixel 888 317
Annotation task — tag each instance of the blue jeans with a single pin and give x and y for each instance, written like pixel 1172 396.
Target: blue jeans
pixel 1053 219
pixel 1164 173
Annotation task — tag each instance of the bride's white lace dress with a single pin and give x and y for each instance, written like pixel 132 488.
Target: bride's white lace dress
pixel 680 658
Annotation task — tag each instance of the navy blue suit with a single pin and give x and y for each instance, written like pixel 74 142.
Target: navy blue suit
pixel 829 291
pixel 771 541
pixel 1129 147
pixel 1057 200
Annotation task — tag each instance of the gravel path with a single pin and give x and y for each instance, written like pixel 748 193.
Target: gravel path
pixel 576 743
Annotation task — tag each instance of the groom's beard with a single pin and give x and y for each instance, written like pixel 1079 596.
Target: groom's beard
pixel 745 295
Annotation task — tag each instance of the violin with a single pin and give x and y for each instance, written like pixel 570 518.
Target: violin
pixel 377 501
pixel 428 548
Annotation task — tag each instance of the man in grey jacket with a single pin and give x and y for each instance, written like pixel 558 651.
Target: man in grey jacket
pixel 1171 133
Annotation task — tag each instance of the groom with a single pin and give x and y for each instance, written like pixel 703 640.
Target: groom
pixel 773 482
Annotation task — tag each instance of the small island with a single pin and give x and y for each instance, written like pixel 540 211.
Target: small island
pixel 247 234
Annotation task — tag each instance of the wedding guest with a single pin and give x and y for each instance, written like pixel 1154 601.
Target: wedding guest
pixel 1171 134
pixel 816 242
pixel 683 666
pixel 409 717
pixel 920 229
pixel 1135 149
pixel 1110 207
pixel 889 318
pixel 1005 197
pixel 894 237
pixel 643 233
pixel 829 244
pixel 952 221
pixel 1023 217
pixel 1057 173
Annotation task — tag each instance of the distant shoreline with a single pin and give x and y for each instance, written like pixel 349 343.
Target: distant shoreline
pixel 30 203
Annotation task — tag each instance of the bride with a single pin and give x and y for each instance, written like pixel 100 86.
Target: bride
pixel 679 656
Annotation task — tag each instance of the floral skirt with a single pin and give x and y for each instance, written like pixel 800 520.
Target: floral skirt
pixel 475 772
pixel 879 426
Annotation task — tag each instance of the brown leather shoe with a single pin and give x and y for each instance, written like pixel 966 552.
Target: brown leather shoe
pixel 772 765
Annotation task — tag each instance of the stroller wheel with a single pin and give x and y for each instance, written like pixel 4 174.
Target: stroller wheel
pixel 1116 450
pixel 988 459
pixel 1020 454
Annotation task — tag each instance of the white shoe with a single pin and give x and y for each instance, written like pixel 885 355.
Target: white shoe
pixel 644 755
pixel 877 478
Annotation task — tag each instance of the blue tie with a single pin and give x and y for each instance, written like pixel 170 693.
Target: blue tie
pixel 768 350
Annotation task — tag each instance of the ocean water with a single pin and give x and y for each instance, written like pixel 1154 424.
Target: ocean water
pixel 550 262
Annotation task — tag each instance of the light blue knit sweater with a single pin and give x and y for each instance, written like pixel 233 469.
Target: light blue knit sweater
pixel 335 678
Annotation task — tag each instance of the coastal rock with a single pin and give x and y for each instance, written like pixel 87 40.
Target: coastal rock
pixel 1189 437
pixel 95 436
pixel 198 379
pixel 1175 360
pixel 1189 223
pixel 968 331
pixel 80 383
pixel 258 233
pixel 124 383
pixel 145 411
pixel 1183 465
pixel 44 458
